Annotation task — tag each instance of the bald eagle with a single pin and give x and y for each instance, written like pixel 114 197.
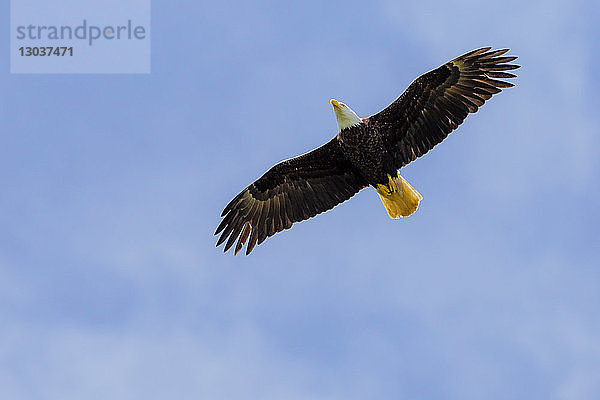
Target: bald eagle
pixel 367 152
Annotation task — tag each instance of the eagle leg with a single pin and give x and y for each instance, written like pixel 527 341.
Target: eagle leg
pixel 399 198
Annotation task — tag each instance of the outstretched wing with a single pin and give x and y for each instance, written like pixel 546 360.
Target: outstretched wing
pixel 437 102
pixel 291 191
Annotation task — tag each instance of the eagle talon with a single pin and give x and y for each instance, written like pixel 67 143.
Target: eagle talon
pixel 391 186
pixel 386 189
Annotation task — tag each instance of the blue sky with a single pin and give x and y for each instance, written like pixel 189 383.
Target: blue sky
pixel 110 285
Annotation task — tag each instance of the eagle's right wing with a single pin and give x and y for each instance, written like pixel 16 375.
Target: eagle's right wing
pixel 437 102
pixel 291 191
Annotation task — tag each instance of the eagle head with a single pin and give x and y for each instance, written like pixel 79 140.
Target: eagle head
pixel 344 115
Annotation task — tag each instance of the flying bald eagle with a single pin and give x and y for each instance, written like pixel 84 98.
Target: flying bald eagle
pixel 367 152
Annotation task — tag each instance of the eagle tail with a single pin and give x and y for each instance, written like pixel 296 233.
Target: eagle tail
pixel 399 198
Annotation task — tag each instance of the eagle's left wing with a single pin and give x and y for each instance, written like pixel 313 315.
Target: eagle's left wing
pixel 437 102
pixel 291 191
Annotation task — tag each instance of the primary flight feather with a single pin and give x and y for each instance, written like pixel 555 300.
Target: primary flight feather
pixel 367 152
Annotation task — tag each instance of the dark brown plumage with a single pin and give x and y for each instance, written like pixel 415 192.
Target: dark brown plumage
pixel 437 102
pixel 365 154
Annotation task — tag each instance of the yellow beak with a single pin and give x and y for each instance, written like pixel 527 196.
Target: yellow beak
pixel 335 104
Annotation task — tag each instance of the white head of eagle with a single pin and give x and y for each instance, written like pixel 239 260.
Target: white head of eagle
pixel 346 118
